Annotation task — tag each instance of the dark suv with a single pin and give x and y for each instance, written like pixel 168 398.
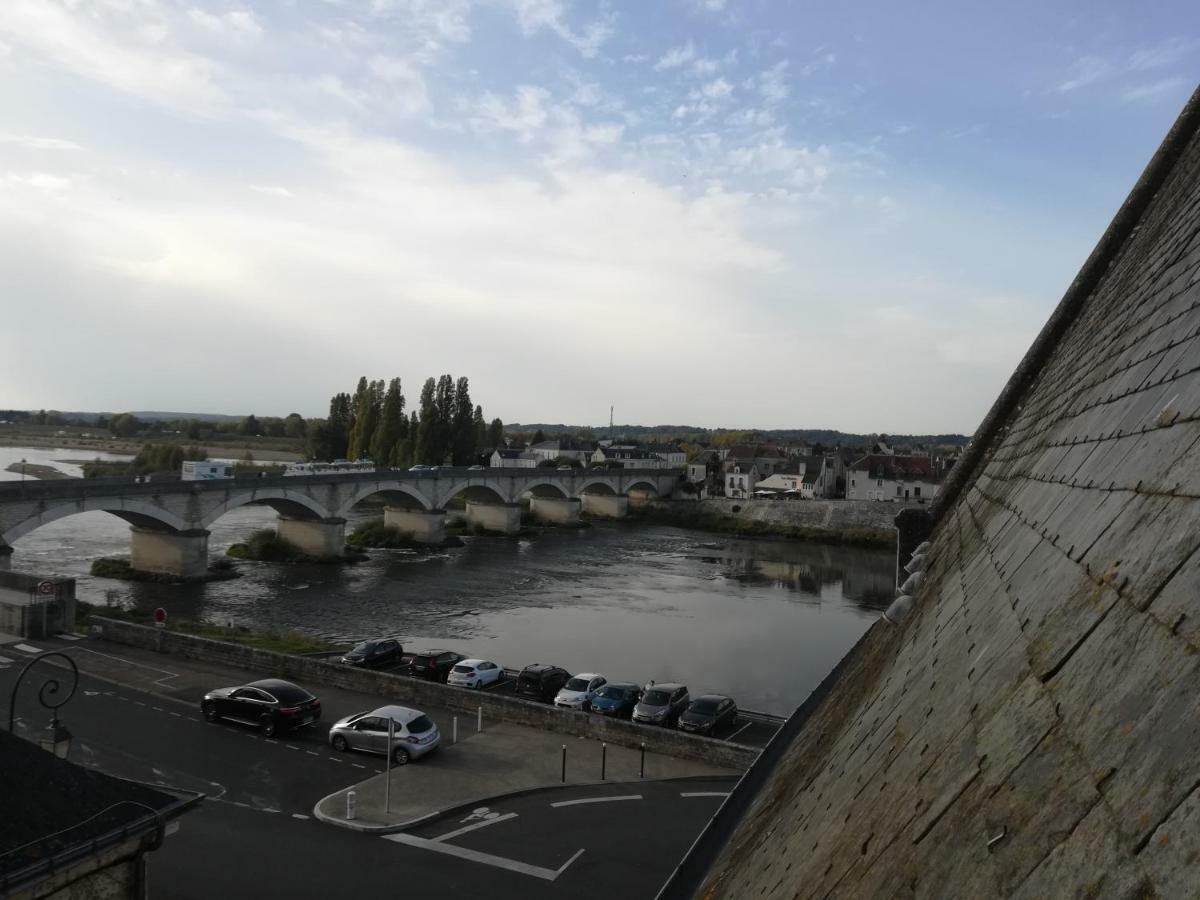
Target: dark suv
pixel 375 654
pixel 434 664
pixel 272 705
pixel 541 682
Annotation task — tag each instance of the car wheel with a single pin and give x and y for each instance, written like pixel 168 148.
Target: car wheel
pixel 267 726
pixel 400 756
pixel 339 744
pixel 478 685
pixel 210 711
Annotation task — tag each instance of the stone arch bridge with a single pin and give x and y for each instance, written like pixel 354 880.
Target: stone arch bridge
pixel 169 520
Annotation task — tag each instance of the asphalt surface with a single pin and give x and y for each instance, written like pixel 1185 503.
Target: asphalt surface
pixel 253 836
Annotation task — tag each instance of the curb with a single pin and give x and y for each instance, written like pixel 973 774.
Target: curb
pixel 376 828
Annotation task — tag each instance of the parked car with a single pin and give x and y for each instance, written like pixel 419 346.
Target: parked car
pixel 617 698
pixel 378 654
pixel 661 704
pixel 271 705
pixel 476 468
pixel 434 664
pixel 413 736
pixel 541 682
pixel 709 714
pixel 578 692
pixel 475 673
pixel 419 468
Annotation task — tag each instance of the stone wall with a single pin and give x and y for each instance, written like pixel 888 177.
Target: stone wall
pixel 28 612
pixel 833 515
pixel 400 688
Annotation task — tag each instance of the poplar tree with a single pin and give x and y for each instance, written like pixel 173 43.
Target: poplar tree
pixel 391 426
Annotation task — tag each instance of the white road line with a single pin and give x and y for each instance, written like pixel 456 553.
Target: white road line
pixel 67 637
pixel 119 697
pixel 129 662
pixel 484 824
pixel 158 709
pixel 299 816
pixel 739 731
pixel 704 793
pixel 26 648
pixel 139 702
pixel 290 747
pixel 268 809
pixel 357 766
pixel 243 805
pixel 4 660
pixel 334 758
pixel 177 715
pixel 486 859
pixel 311 753
pixel 595 800
pixel 269 741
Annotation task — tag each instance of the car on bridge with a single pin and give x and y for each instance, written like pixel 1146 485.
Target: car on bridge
pixel 272 705
pixel 413 733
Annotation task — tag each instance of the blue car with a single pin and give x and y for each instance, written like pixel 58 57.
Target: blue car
pixel 617 699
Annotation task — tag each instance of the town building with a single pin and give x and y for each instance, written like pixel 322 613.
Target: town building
pixel 880 476
pixel 506 458
pixel 628 457
pixel 674 456
pixel 766 458
pixel 564 447
pixel 741 481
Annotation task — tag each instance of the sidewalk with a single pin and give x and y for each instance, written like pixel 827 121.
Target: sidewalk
pixel 503 760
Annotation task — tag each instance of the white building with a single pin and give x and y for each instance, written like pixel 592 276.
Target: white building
pixel 513 459
pixel 885 477
pixel 675 457
pixel 629 458
pixel 741 481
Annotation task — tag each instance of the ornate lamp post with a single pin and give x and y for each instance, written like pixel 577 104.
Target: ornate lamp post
pixel 56 738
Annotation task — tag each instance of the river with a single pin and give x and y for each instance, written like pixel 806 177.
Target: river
pixel 761 620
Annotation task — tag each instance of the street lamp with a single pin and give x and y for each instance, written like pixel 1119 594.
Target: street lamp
pixel 22 468
pixel 56 738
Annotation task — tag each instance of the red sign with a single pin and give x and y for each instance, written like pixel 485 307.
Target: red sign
pixel 160 617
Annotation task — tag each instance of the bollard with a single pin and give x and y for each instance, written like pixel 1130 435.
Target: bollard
pixel 351 804
pixel 603 758
pixel 642 772
pixel 564 765
pixel 455 741
pixel 479 720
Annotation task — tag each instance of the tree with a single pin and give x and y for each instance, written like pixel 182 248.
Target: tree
pixel 462 444
pixel 426 433
pixel 444 432
pixel 479 427
pixel 125 425
pixel 341 418
pixel 367 408
pixel 538 437
pixel 250 426
pixel 495 435
pixel 294 426
pixel 391 425
pixel 192 429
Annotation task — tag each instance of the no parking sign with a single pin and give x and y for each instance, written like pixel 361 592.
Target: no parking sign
pixel 160 617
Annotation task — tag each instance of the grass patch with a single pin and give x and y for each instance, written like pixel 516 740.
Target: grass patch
pixel 119 567
pixel 707 520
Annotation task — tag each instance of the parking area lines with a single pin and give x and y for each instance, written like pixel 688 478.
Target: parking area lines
pixel 487 859
pixel 585 800
pixel 484 823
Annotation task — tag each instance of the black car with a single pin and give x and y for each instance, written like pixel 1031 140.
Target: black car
pixel 434 664
pixel 379 654
pixel 709 714
pixel 541 682
pixel 272 705
pixel 617 698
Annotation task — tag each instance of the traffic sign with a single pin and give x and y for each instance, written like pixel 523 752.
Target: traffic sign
pixel 160 617
pixel 45 587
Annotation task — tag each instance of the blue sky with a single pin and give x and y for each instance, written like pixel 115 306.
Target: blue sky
pixel 718 212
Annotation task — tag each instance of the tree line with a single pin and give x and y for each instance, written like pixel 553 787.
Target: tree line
pixel 445 427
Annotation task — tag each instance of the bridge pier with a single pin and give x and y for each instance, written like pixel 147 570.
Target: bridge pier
pixel 423 526
pixel 6 553
pixel 502 518
pixel 321 538
pixel 605 506
pixel 639 498
pixel 556 510
pixel 180 553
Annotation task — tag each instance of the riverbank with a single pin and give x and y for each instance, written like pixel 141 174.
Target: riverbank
pixel 837 522
pixel 119 567
pixel 49 438
pixel 35 470
pixel 265 545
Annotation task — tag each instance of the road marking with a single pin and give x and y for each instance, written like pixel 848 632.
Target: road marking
pixel 595 800
pixel 312 753
pixel 334 758
pixel 67 637
pixel 739 731
pixel 290 747
pixel 269 741
pixel 704 793
pixel 242 805
pixel 139 702
pixel 26 648
pixel 129 662
pixel 177 715
pixel 357 766
pixel 299 816
pixel 268 809
pixel 484 824
pixel 486 859
pixel 5 660
pixel 158 709
pixel 119 697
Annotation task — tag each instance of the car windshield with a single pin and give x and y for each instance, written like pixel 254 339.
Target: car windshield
pixel 577 684
pixel 656 698
pixel 420 725
pixel 704 706
pixel 289 693
pixel 363 648
pixel 464 670
pixel 613 693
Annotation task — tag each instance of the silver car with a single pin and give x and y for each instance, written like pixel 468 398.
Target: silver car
pixel 661 704
pixel 413 737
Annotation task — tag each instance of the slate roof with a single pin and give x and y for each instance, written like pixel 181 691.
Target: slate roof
pixel 895 467
pixel 53 807
pixel 1030 730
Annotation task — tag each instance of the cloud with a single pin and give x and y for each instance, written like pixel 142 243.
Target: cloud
pixel 525 115
pixel 272 190
pixel 238 24
pixel 33 142
pixel 1154 91
pixel 772 83
pixel 1166 53
pixel 406 85
pixel 1085 71
pixel 536 15
pixel 676 57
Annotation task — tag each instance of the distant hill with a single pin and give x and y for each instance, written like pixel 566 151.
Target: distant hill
pixel 89 418
pixel 826 436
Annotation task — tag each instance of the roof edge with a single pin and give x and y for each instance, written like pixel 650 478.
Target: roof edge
pixel 1064 315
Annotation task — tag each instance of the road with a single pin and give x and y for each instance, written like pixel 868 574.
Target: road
pixel 253 836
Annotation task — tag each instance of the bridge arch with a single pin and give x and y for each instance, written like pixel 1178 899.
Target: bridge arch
pixel 475 493
pixel 395 493
pixel 598 487
pixel 135 512
pixel 549 490
pixel 644 487
pixel 291 503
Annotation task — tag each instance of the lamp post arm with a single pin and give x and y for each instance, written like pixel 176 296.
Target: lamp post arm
pixel 50 689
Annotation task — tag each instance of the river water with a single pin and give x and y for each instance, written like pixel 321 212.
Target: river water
pixel 763 621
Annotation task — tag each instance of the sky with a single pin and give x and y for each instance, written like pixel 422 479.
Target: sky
pixel 733 213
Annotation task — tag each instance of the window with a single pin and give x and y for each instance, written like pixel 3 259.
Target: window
pixel 897 490
pixel 879 483
pixel 916 491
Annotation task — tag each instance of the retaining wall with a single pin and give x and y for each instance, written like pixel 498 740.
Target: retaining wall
pixel 833 515
pixel 417 692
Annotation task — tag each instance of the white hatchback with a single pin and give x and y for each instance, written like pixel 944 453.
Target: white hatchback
pixel 475 673
pixel 578 692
